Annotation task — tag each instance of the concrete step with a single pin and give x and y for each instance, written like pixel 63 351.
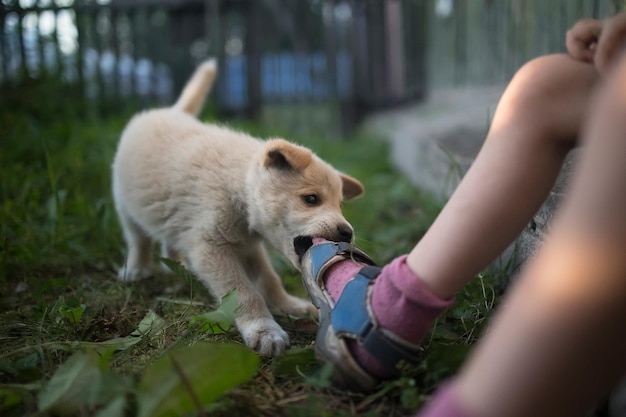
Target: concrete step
pixel 434 142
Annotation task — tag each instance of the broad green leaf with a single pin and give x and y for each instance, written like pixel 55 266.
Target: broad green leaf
pixel 71 384
pixel 151 325
pixel 295 362
pixel 220 320
pixel 8 398
pixel 29 361
pixel 115 408
pixel 73 314
pixel 80 382
pixel 109 387
pixel 12 395
pixel 200 373
pixel 226 311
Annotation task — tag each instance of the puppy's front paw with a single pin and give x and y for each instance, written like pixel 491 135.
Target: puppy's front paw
pixel 133 274
pixel 264 335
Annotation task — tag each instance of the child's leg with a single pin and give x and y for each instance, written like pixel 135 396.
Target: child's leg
pixel 558 344
pixel 535 125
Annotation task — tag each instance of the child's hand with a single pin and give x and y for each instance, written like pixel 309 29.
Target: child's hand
pixel 611 43
pixel 597 41
pixel 582 39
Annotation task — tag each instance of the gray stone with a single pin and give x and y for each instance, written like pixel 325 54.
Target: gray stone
pixel 529 241
pixel 434 143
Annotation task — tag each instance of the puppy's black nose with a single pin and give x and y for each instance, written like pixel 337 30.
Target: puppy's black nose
pixel 345 233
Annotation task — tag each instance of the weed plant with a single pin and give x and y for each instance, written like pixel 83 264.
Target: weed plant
pixel 74 341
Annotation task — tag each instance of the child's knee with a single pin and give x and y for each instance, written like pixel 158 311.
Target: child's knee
pixel 550 94
pixel 546 79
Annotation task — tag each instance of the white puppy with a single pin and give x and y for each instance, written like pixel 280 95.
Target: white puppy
pixel 210 195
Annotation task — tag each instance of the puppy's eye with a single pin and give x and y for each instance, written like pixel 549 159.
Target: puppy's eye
pixel 311 199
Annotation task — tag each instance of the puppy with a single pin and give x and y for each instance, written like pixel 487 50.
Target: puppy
pixel 210 196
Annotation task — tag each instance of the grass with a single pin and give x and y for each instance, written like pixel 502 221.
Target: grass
pixel 75 341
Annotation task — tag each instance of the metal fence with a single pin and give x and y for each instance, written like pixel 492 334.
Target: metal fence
pixel 270 51
pixel 361 55
pixel 485 41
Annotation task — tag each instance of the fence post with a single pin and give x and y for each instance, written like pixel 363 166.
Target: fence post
pixel 460 42
pixel 394 50
pixel 253 54
pixel 330 42
pixel 212 28
pixel 3 48
pixel 352 103
pixel 20 38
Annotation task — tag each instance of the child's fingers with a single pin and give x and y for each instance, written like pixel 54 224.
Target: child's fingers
pixel 611 43
pixel 581 39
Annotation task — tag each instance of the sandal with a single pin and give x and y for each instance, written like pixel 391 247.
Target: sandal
pixel 351 317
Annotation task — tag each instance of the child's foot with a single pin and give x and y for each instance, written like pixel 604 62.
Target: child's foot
pixel 371 319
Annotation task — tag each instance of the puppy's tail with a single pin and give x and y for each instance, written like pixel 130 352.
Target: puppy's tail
pixel 192 98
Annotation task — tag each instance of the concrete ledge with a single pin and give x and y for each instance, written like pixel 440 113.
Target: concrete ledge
pixel 435 142
pixel 534 233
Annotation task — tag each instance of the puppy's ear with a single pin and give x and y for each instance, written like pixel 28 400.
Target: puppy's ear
pixel 281 154
pixel 352 188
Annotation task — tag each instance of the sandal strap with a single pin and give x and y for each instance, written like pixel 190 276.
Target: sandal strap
pixel 352 317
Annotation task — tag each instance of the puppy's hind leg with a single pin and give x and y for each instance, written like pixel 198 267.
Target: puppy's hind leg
pixel 168 252
pixel 139 246
pixel 270 285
